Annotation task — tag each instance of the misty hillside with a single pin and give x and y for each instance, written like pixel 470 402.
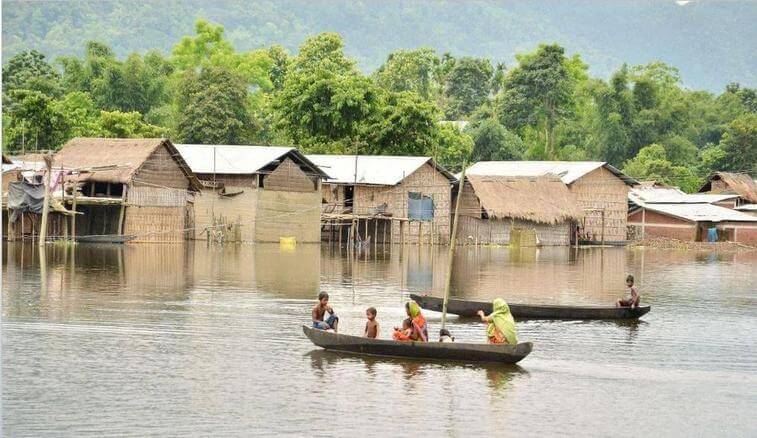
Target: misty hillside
pixel 711 42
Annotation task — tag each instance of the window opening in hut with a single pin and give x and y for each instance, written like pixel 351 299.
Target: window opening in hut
pixel 349 192
pixel 419 207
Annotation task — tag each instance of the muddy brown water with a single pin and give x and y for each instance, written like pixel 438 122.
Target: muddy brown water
pixel 190 340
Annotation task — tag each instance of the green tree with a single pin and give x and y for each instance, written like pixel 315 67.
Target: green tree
pixel 467 86
pixel 492 142
pixel 127 125
pixel 212 109
pixel 538 92
pixel 739 144
pixel 405 125
pixel 33 122
pixel 30 71
pixel 410 70
pixel 652 164
pixel 79 113
pixel 453 148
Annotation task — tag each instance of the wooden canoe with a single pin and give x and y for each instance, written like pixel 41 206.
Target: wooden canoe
pixel 106 238
pixel 521 311
pixel 456 351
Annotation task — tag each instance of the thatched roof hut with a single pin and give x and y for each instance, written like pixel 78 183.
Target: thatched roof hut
pixel 543 199
pixel 116 160
pixel 728 182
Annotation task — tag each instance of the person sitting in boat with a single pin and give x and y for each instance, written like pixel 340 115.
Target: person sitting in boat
pixel 403 334
pixel 445 336
pixel 319 311
pixel 633 295
pixel 501 325
pixel 419 328
pixel 371 326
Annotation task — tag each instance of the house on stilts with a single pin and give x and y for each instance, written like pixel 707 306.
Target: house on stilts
pixel 600 191
pixel 137 187
pixel 517 210
pixel 387 199
pixel 255 193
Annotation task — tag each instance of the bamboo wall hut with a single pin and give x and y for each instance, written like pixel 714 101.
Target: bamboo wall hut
pixel 388 198
pixel 740 184
pixel 255 193
pixel 128 186
pixel 600 190
pixel 498 209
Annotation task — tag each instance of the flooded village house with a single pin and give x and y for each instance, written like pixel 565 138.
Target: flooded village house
pixel 128 186
pixel 600 191
pixel 255 193
pixel 517 210
pixel 658 211
pixel 391 199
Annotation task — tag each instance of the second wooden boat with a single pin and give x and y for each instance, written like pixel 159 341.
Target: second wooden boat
pixel 457 351
pixel 522 311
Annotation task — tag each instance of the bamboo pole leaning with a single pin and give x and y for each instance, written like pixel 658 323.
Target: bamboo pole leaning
pixel 452 243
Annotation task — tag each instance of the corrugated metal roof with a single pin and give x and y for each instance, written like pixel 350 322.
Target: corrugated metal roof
pixel 702 212
pixel 664 195
pixel 747 207
pixel 372 169
pixel 568 171
pixel 237 159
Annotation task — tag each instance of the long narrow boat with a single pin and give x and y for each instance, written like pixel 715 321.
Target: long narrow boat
pixel 106 238
pixel 522 311
pixel 457 351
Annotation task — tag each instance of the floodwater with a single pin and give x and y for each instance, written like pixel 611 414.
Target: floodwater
pixel 190 340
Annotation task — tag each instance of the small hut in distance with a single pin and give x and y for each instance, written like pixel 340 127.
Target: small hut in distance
pixel 739 184
pixel 498 209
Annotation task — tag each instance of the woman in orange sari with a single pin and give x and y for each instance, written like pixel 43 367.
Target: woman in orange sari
pixel 419 329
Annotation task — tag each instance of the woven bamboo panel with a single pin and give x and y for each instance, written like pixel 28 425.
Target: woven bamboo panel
pixel 289 177
pixel 155 224
pixel 288 214
pixel 146 196
pixel 495 231
pixel 601 189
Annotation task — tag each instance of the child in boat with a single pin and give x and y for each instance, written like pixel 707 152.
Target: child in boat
pixel 404 333
pixel 445 336
pixel 371 326
pixel 633 295
pixel 319 311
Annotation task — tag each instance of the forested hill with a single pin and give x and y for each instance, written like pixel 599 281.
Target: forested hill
pixel 711 42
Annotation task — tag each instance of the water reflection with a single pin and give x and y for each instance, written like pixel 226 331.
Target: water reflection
pixel 134 331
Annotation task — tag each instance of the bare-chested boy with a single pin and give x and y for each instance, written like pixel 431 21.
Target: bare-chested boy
pixel 319 311
pixel 371 326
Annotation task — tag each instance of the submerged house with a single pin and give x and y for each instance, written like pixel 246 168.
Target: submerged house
pixel 128 186
pixel 498 209
pixel 390 199
pixel 697 222
pixel 739 184
pixel 255 193
pixel 599 189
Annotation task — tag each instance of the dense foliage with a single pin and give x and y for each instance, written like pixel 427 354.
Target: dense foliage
pixel 546 106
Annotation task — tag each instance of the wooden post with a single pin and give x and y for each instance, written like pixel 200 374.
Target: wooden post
pixel 365 236
pixel 73 207
pixel 452 243
pixel 46 205
pixel 643 221
pixel 383 232
pixel 375 232
pixel 420 233
pixel 603 227
pixel 123 210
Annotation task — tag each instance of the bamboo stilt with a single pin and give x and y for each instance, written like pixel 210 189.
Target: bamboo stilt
pixel 46 205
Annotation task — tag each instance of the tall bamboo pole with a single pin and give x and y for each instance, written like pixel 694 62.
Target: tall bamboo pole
pixel 46 205
pixel 452 243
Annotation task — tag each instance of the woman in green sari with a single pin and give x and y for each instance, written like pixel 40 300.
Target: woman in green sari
pixel 501 325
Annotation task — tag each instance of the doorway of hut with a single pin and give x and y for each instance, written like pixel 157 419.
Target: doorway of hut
pixel 98 220
pixel 349 195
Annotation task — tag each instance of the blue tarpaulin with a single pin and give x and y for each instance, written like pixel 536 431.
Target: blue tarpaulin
pixel 419 207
